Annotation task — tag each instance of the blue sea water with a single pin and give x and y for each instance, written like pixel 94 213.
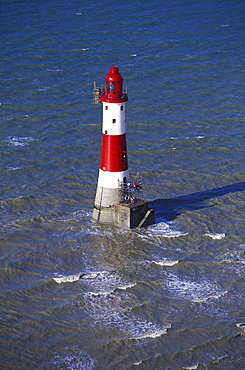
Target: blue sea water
pixel 78 295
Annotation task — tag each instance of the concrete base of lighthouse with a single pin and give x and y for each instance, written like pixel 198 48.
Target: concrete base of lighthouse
pixel 125 215
pixel 103 211
pixel 131 215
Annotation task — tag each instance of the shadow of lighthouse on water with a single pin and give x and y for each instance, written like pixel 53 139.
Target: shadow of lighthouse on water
pixel 169 209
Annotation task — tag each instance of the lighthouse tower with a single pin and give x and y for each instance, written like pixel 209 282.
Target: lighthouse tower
pixel 113 170
pixel 113 176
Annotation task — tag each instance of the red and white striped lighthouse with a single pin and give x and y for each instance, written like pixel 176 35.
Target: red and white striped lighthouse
pixel 113 172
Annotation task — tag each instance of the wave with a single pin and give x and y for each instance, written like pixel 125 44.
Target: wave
pixel 214 296
pixel 105 293
pixel 241 325
pixel 110 305
pixel 194 291
pixel 137 363
pixel 166 262
pixel 151 334
pixel 216 236
pixel 18 140
pixel 14 201
pixel 74 359
pixel 67 279
pixel 100 279
pixel 79 276
pixel 203 354
pixel 234 257
pixel 163 229
pixel 13 168
pixel 127 286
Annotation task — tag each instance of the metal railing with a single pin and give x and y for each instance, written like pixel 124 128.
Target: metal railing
pixel 132 190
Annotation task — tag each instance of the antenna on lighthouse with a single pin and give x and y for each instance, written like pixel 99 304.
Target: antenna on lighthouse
pixel 115 200
pixel 96 94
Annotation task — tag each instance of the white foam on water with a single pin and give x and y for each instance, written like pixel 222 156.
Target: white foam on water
pixel 234 257
pixel 241 325
pixel 54 70
pixel 110 305
pixel 116 284
pixel 194 291
pixel 82 213
pixel 164 229
pixel 67 279
pixel 216 236
pixel 106 309
pixel 102 280
pixel 93 275
pixel 151 334
pixel 18 140
pixel 105 293
pixel 44 88
pixel 127 286
pixel 104 283
pixel 165 262
pixel 74 359
pixel 192 367
pixel 215 296
pixel 137 363
pixel 76 277
pixel 234 261
pixel 14 168
pixel 134 328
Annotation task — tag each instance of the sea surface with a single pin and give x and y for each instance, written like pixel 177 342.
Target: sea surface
pixel 80 295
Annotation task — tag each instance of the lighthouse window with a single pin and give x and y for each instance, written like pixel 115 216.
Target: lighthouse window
pixel 114 120
pixel 121 107
pixel 111 87
pixel 106 107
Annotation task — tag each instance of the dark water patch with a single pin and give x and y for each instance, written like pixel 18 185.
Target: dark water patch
pixel 34 211
pixel 218 352
pixel 13 278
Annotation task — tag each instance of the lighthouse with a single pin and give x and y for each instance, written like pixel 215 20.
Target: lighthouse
pixel 115 200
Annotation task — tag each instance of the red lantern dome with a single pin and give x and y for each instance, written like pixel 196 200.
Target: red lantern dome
pixel 113 92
